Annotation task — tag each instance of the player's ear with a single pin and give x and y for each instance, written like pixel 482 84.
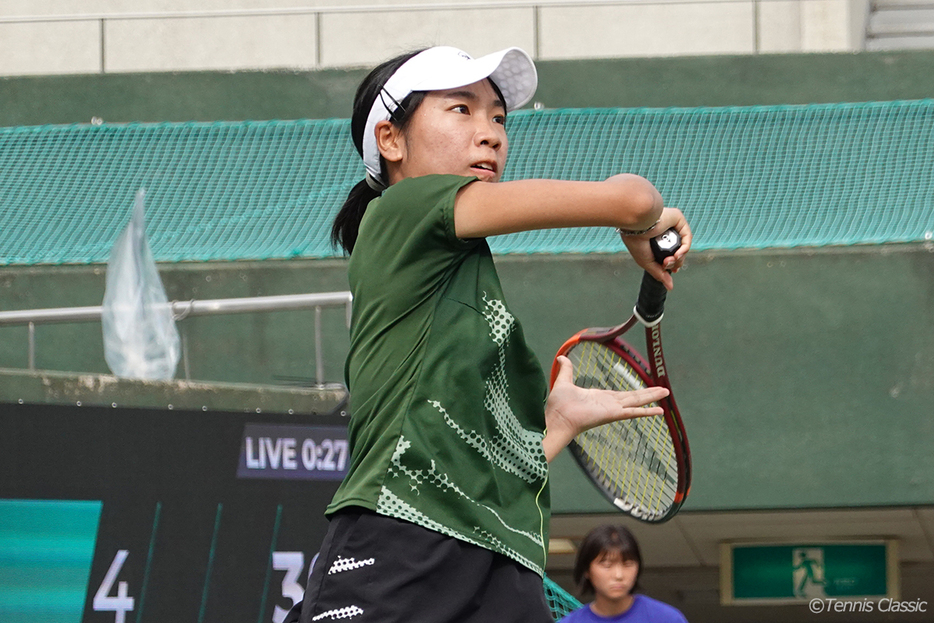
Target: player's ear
pixel 390 141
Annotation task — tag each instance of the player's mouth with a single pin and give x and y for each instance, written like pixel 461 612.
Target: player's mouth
pixel 484 170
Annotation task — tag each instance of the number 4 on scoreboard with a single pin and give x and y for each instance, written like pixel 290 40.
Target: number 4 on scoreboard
pixel 122 602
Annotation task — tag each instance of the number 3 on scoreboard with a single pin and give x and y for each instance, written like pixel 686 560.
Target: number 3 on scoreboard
pixel 122 602
pixel 292 563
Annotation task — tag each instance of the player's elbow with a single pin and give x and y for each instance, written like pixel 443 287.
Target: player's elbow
pixel 647 203
pixel 640 202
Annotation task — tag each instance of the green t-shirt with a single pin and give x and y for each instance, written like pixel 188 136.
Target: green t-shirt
pixel 447 399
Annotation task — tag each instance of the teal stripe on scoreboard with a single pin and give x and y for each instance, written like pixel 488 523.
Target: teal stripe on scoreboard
pixel 46 550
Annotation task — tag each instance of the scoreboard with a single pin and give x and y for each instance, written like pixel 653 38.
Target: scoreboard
pixel 144 515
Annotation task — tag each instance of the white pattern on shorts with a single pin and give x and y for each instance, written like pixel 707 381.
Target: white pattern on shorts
pixel 348 612
pixel 349 564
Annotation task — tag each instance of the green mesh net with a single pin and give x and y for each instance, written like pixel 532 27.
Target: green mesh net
pixel 750 177
pixel 559 600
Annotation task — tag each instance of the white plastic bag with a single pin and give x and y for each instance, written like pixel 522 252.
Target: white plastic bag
pixel 140 337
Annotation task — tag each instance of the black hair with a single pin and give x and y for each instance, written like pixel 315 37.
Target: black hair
pixel 347 221
pixel 602 541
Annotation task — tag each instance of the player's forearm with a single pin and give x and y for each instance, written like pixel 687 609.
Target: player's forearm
pixel 625 201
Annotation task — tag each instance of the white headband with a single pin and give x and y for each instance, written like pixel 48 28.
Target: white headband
pixel 439 68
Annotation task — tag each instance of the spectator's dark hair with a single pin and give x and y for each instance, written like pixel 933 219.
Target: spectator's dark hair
pixel 604 541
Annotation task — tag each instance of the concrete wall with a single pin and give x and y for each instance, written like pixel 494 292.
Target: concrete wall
pixel 42 37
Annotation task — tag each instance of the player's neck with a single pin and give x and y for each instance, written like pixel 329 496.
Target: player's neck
pixel 605 607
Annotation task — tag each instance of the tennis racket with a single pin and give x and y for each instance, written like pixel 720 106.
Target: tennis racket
pixel 643 465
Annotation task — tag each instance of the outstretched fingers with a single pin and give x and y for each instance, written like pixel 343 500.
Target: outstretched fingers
pixel 639 399
pixel 626 405
pixel 571 410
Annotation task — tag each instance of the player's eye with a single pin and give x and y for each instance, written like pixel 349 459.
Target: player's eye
pixel 461 108
pixel 500 119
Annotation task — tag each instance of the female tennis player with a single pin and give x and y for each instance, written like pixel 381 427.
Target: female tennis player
pixel 444 513
pixel 608 566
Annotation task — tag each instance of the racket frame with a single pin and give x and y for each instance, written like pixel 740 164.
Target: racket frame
pixel 653 372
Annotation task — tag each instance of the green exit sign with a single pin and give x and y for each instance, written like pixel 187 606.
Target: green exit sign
pixel 782 573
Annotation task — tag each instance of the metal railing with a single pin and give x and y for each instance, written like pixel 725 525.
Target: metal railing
pixel 185 309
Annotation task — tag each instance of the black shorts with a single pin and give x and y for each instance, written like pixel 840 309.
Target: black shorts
pixel 376 569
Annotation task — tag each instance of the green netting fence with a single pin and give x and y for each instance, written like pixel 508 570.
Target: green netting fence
pixel 560 601
pixel 747 177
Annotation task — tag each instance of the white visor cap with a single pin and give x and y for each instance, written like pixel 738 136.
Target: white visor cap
pixel 440 68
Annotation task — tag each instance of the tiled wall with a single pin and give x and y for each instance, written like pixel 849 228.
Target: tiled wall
pixel 93 36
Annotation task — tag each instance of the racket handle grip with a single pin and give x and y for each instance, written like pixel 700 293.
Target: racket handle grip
pixel 651 303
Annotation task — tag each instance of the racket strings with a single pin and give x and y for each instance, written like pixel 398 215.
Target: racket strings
pixel 635 459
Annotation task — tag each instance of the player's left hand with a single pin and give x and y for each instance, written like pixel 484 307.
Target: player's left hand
pixel 570 410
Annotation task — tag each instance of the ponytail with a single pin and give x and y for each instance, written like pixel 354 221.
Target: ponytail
pixel 347 222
